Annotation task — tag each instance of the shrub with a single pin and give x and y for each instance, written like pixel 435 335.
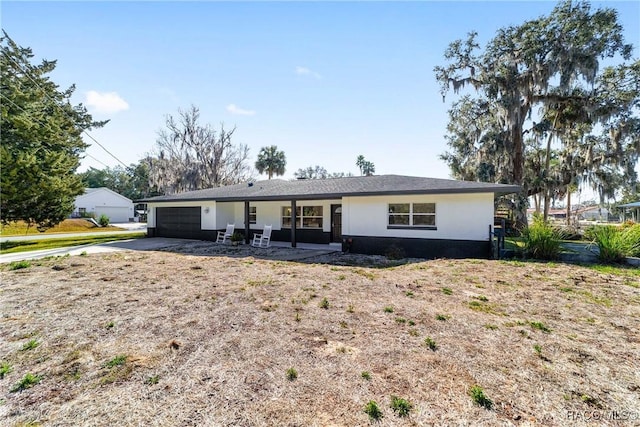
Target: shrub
pixel 631 235
pixel 479 398
pixel 541 239
pixel 292 374
pixel 402 407
pixel 324 303
pixel 103 220
pixel 430 343
pixel 373 410
pixel 395 253
pixel 366 375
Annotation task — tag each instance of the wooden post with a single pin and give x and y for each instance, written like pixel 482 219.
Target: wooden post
pixel 294 220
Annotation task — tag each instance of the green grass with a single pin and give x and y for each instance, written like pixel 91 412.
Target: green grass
pixel 152 380
pixel 19 265
pixel 36 245
pixel 67 226
pixel 30 345
pixel 28 381
pixel 447 291
pixel 615 270
pixel 540 326
pixel 366 375
pixel 5 368
pixel 116 361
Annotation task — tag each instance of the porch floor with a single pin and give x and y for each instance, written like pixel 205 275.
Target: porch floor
pixel 334 247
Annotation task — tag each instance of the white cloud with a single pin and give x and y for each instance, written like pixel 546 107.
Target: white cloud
pixel 304 71
pixel 234 109
pixel 107 102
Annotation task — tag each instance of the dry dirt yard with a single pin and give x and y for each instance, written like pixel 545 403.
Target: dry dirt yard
pixel 213 339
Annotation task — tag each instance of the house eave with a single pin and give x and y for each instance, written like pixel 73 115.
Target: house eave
pixel 328 196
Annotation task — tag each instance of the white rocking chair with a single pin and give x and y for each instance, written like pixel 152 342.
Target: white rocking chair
pixel 262 240
pixel 223 236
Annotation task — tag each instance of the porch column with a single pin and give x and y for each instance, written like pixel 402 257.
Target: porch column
pixel 247 228
pixel 294 220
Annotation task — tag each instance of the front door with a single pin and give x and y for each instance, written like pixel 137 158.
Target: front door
pixel 336 223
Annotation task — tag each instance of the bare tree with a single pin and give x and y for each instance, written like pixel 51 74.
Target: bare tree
pixel 191 156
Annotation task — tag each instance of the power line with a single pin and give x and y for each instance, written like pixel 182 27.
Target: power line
pixel 26 73
pixel 43 124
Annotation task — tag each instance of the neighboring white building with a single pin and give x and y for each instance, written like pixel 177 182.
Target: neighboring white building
pixel 424 217
pixel 102 201
pixel 593 213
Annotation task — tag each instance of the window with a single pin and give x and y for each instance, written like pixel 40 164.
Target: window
pixel 306 217
pixel 253 214
pixel 412 215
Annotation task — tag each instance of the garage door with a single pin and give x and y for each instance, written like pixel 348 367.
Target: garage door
pixel 178 222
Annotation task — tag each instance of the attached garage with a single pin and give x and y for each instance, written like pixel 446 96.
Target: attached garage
pixel 178 222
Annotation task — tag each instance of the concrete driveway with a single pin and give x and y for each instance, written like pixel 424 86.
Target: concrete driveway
pixel 148 244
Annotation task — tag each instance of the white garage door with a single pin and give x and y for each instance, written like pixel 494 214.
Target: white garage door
pixel 115 214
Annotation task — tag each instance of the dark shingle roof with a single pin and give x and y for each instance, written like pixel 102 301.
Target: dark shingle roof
pixel 335 188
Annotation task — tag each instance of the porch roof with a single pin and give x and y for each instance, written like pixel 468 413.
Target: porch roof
pixel 335 188
pixel 630 205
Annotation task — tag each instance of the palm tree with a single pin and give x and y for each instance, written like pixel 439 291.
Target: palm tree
pixel 271 161
pixel 367 168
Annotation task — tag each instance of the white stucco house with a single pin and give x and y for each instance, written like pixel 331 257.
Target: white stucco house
pixel 102 201
pixel 425 217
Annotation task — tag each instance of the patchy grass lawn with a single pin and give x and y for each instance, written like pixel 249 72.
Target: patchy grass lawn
pixel 172 339
pixel 67 226
pixel 36 245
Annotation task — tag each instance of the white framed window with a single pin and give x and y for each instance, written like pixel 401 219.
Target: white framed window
pixel 253 214
pixel 412 215
pixel 306 217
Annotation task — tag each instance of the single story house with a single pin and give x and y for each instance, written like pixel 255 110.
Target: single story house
pixel 102 201
pixel 631 211
pixel 424 217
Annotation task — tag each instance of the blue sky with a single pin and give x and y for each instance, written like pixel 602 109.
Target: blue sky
pixel 324 82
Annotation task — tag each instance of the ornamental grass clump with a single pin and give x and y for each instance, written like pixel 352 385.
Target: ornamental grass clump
pixel 541 239
pixel 615 244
